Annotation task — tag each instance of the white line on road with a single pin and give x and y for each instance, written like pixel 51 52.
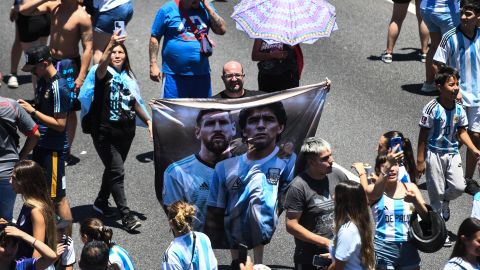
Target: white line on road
pixel 411 7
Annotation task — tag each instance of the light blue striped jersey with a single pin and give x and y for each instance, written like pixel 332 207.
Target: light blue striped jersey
pixel 179 254
pixel 392 217
pixel 248 191
pixel 403 175
pixel 188 180
pixel 441 6
pixel 119 256
pixel 458 51
pixel 443 126
pixel 476 206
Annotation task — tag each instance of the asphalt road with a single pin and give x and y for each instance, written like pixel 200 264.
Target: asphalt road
pixel 367 99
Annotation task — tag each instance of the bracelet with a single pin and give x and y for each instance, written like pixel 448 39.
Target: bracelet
pixel 33 243
pixel 33 112
pixel 361 174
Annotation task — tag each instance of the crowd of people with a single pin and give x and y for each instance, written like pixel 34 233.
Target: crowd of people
pixel 217 198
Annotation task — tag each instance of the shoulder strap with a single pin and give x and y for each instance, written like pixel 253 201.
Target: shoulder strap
pixel 184 14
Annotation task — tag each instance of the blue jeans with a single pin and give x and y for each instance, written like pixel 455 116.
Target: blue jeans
pixel 104 21
pixel 7 199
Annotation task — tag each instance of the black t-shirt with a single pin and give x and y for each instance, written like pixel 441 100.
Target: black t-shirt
pixel 114 103
pixel 314 199
pixel 247 93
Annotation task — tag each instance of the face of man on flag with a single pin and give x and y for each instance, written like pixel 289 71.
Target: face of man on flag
pixel 215 130
pixel 262 128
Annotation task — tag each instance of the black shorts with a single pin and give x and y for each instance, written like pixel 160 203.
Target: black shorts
pixel 68 69
pixel 401 1
pixel 31 28
pixel 53 162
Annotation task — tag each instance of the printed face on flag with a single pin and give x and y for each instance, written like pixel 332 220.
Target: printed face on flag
pixel 262 128
pixel 215 130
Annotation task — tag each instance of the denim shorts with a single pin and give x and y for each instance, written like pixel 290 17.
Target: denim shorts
pixel 396 255
pixel 104 21
pixel 438 22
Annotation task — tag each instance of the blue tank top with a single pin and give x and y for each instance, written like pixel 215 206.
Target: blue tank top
pixel 24 223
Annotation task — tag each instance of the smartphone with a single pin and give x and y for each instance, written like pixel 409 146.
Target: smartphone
pixel 242 253
pixel 120 28
pixel 321 262
pixel 396 141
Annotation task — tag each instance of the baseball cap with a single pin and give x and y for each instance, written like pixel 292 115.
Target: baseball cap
pixel 36 55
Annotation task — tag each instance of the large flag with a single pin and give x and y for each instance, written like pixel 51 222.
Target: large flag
pixel 176 136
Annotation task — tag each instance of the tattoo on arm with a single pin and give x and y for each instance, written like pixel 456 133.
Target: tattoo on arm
pixel 153 47
pixel 217 20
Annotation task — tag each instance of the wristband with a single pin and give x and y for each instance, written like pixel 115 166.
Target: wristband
pixel 33 112
pixel 361 174
pixel 33 243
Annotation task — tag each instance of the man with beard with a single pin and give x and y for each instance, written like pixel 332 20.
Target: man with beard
pixel 245 189
pixel 189 179
pixel 233 78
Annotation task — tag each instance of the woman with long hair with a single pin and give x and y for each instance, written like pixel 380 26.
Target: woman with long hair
pixel 466 252
pixel 116 105
pixel 37 216
pixel 353 242
pixel 392 202
pixel 407 168
pixel 189 249
pixel 92 229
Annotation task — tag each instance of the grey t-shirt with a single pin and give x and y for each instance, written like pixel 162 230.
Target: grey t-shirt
pixel 16 116
pixel 313 198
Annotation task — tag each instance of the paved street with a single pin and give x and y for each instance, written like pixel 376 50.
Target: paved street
pixel 367 98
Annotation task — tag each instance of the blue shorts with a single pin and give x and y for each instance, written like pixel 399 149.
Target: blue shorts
pixel 53 162
pixel 396 255
pixel 440 22
pixel 187 86
pixel 104 21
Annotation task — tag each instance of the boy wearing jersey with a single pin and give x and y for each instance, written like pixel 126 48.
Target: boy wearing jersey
pixel 443 121
pixel 459 49
pixel 189 179
pixel 245 189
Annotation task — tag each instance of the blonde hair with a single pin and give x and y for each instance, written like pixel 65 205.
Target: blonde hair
pixel 181 215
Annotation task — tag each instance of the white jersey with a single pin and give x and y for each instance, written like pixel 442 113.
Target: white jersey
pixel 458 51
pixel 458 263
pixel 105 5
pixel 441 6
pixel 178 255
pixel 443 126
pixel 188 180
pixel 392 218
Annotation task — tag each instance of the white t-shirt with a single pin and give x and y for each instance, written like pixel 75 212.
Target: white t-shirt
pixel 348 247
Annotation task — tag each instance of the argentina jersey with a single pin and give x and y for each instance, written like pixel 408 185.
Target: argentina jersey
pixel 443 126
pixel 441 6
pixel 179 254
pixel 248 191
pixel 188 180
pixel 458 51
pixel 403 175
pixel 119 256
pixel 392 217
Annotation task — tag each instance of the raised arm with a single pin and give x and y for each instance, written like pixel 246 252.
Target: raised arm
pixel 105 60
pixel 47 255
pixel 36 7
pixel 216 22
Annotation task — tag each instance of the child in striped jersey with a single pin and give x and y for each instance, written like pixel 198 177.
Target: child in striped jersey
pixel 442 122
pixel 392 203
pixel 189 250
pixel 92 229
